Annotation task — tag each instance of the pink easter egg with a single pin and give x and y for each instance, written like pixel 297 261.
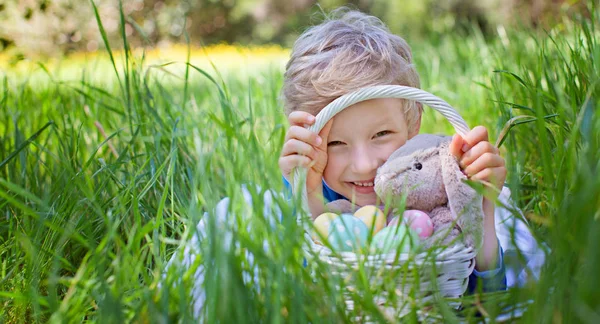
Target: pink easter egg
pixel 419 221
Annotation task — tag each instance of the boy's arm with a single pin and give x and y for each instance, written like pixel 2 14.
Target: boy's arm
pixel 487 257
pixel 316 204
pixel 490 280
pixel 480 160
pixel 490 272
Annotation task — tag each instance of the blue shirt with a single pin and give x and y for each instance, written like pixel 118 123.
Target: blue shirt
pixel 486 281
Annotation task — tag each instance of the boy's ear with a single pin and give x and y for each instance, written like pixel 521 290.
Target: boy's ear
pixel 416 130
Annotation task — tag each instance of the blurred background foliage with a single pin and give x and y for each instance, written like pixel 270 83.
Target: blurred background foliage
pixel 43 28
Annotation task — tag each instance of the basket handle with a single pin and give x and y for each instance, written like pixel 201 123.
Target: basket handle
pixel 381 91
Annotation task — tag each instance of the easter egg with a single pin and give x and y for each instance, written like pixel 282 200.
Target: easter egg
pixel 347 233
pixel 322 223
pixel 399 238
pixel 372 216
pixel 394 221
pixel 420 222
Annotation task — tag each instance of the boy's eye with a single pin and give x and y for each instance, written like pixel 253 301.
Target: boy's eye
pixel 382 133
pixel 335 143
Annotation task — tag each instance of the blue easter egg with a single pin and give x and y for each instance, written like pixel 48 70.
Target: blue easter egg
pixel 397 239
pixel 347 233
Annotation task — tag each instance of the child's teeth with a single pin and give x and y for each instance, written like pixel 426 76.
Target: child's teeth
pixel 365 184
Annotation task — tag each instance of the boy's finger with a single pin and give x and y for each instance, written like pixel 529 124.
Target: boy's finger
pixel 495 176
pixel 485 161
pixel 476 135
pixel 302 134
pixel 301 118
pixel 324 134
pixel 294 146
pixel 288 163
pixel 475 152
pixel 456 146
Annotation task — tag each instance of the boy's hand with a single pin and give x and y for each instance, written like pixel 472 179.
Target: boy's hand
pixel 478 158
pixel 303 148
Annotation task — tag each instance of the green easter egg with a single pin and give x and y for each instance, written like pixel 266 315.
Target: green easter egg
pixel 347 233
pixel 399 238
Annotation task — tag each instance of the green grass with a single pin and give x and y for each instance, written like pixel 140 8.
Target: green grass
pixel 100 181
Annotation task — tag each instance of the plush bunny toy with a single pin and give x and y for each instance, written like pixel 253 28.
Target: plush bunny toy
pixel 426 173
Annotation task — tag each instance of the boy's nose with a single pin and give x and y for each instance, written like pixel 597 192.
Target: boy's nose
pixel 364 162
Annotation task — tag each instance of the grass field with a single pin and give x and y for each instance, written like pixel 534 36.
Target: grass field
pixel 101 176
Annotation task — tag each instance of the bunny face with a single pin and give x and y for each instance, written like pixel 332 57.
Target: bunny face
pixel 424 171
pixel 418 176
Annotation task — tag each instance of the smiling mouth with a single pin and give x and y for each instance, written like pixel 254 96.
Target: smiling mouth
pixel 363 184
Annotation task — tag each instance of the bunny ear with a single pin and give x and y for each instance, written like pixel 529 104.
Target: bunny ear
pixel 418 143
pixel 464 202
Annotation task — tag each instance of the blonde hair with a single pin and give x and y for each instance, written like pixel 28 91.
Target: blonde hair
pixel 348 51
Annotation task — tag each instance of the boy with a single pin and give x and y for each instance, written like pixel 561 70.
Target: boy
pixel 342 55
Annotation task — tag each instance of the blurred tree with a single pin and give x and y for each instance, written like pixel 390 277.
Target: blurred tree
pixel 54 27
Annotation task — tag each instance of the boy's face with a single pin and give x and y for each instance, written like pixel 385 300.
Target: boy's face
pixel 362 138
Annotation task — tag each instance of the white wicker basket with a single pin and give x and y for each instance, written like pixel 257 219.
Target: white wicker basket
pixel 451 266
